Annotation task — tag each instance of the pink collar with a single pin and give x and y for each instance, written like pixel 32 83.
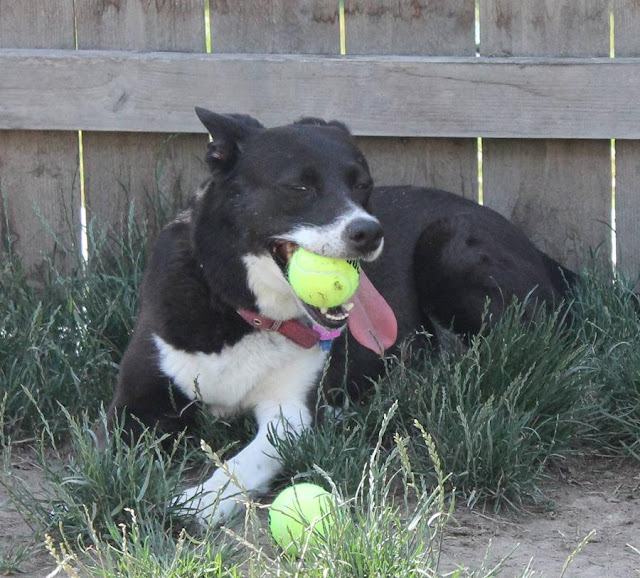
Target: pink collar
pixel 295 331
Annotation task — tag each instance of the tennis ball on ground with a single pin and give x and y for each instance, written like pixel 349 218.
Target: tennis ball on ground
pixel 322 281
pixel 301 514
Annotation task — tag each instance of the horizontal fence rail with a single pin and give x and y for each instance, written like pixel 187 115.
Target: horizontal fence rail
pixel 574 98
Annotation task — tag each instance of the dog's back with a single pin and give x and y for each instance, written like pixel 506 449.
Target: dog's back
pixel 448 263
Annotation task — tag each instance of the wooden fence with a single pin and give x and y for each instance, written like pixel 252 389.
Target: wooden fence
pixel 541 89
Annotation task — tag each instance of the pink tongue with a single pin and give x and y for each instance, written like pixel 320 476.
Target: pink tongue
pixel 371 321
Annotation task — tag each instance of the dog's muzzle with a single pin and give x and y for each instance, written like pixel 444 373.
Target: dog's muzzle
pixel 364 237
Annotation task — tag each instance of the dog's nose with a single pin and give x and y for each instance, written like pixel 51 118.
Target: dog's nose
pixel 364 235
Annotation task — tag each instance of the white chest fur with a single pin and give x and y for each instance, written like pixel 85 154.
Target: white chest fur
pixel 261 366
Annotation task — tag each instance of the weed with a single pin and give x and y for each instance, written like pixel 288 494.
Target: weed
pixel 607 312
pixel 497 412
pixel 13 557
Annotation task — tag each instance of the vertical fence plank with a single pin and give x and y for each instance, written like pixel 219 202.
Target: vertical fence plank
pixel 558 191
pixel 140 167
pixel 36 24
pixel 38 170
pixel 627 43
pixel 544 28
pixel 410 27
pixel 275 27
pixel 416 28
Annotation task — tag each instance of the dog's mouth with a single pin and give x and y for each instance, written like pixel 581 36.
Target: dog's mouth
pixel 329 318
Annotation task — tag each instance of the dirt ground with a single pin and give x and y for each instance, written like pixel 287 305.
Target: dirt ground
pixel 601 494
pixel 590 494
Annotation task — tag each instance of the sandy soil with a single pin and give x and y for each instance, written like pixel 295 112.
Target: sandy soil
pixel 594 494
pixel 14 531
pixel 601 494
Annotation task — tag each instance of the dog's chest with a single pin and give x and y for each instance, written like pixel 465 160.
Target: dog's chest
pixel 233 379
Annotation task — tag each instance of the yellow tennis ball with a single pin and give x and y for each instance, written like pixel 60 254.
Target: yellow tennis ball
pixel 301 516
pixel 322 281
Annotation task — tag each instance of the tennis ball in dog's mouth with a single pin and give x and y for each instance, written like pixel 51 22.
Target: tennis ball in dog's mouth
pixel 322 281
pixel 301 516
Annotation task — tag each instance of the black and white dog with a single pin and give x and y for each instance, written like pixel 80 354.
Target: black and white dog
pixel 219 322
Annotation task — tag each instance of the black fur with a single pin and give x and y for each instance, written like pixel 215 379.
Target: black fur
pixel 443 255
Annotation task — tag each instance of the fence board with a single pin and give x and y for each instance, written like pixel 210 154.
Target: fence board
pixel 309 27
pixel 416 28
pixel 36 24
pixel 175 25
pixel 627 43
pixel 375 96
pixel 557 191
pixel 38 169
pixel 544 28
pixel 123 168
pixel 410 27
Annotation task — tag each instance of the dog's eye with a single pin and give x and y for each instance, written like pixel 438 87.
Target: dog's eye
pixel 298 188
pixel 362 192
pixel 363 188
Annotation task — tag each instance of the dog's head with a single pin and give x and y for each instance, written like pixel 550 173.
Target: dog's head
pixel 271 191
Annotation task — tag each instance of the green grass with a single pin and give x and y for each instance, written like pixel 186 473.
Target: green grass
pixel 491 417
pixel 497 412
pixel 13 558
pixel 114 504
pixel 607 312
pixel 62 344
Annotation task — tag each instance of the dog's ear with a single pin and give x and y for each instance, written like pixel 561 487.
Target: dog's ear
pixel 312 120
pixel 228 131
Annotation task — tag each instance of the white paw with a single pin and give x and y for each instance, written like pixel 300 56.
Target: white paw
pixel 214 501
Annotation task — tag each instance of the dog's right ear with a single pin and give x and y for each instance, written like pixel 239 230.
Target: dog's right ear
pixel 229 132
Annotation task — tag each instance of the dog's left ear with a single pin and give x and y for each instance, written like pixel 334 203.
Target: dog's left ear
pixel 228 131
pixel 314 121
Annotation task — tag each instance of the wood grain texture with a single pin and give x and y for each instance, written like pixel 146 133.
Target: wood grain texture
pixel 172 25
pixel 121 169
pixel 544 28
pixel 559 192
pixel 38 170
pixel 627 43
pixel 449 164
pixel 375 96
pixel 152 171
pixel 40 187
pixel 27 24
pixel 627 32
pixel 278 26
pixel 413 28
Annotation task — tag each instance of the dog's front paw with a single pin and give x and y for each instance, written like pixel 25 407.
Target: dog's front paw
pixel 213 502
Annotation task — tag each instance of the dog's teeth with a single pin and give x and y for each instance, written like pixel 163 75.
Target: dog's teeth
pixel 324 310
pixel 348 306
pixel 336 317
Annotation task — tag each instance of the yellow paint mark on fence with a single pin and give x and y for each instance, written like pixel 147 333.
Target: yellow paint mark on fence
pixel 612 54
pixel 343 31
pixel 207 25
